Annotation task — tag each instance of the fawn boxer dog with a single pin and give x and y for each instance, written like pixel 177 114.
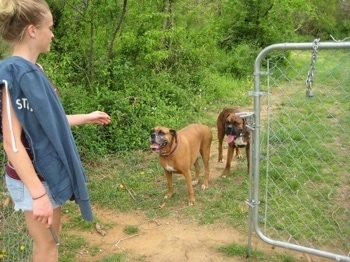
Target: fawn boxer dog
pixel 179 151
pixel 237 136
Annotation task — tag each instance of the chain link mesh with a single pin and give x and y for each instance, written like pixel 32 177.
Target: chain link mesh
pixel 305 150
pixel 15 243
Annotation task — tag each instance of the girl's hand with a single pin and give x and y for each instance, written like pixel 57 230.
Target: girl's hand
pixel 98 117
pixel 43 210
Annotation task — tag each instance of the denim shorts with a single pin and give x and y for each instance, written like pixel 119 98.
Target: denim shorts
pixel 21 196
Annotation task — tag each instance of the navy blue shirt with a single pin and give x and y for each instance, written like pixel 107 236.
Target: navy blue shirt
pixel 44 122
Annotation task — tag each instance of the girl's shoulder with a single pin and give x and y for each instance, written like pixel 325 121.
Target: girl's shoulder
pixel 15 67
pixel 17 61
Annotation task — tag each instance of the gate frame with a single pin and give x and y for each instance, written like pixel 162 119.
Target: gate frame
pixel 254 175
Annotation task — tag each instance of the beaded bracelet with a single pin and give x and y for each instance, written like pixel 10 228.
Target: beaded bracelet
pixel 36 198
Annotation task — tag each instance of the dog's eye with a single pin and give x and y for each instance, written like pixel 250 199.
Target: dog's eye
pixel 161 133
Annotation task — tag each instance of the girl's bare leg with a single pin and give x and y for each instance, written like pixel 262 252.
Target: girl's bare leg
pixel 44 246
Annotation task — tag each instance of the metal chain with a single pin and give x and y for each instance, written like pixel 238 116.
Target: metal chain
pixel 311 72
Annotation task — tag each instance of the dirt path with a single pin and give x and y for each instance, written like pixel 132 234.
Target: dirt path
pixel 169 240
pixel 163 239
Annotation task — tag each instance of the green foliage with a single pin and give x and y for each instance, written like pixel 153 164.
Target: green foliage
pixel 3 49
pixel 240 60
pixel 155 62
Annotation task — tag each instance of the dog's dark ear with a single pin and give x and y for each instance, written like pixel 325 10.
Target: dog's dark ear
pixel 226 116
pixel 174 134
pixel 225 120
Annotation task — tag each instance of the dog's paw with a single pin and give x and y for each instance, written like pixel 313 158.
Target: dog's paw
pixel 190 203
pixel 194 182
pixel 203 187
pixel 167 196
pixel 239 156
pixel 225 173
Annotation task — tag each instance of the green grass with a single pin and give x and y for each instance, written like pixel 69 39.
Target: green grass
pixel 239 251
pixel 130 230
pixel 148 187
pixel 69 249
pixel 14 243
pixel 115 258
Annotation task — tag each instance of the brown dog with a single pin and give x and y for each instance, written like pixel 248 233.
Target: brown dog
pixel 237 136
pixel 179 150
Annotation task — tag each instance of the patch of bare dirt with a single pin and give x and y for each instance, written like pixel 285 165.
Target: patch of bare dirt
pixel 171 239
pixel 168 239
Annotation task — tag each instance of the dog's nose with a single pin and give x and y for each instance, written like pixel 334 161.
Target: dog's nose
pixel 153 136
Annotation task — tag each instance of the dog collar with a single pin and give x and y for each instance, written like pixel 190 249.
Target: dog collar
pixel 171 152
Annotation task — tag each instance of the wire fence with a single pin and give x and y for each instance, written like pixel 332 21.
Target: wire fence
pixel 15 243
pixel 300 195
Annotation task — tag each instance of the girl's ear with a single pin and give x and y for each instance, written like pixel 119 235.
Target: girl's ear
pixel 31 31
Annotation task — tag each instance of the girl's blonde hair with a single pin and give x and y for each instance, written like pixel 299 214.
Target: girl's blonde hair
pixel 16 15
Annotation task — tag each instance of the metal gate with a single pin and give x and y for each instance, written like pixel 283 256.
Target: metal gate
pixel 300 155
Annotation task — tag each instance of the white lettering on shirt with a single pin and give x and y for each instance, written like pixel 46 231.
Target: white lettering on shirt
pixel 23 104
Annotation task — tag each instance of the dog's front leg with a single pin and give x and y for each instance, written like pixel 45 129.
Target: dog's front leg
pixel 188 179
pixel 169 178
pixel 221 139
pixel 247 152
pixel 238 152
pixel 230 152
